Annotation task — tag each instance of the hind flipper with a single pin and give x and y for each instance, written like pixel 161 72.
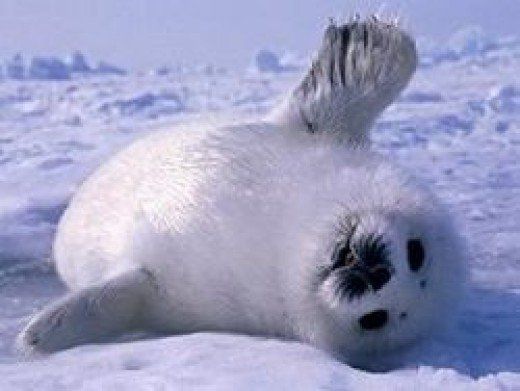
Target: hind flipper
pixel 91 315
pixel 360 69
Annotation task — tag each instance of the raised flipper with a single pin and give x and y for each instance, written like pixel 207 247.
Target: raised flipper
pixel 360 69
pixel 90 315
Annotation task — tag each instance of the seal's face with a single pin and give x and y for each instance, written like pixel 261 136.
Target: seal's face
pixel 381 282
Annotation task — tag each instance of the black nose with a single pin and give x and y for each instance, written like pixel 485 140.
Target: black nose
pixel 374 320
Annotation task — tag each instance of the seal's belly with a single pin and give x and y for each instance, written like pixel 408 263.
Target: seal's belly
pixel 154 181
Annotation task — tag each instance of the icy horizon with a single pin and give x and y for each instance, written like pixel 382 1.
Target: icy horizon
pixel 139 35
pixel 464 42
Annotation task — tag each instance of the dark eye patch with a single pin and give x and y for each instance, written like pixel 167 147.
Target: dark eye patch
pixel 359 266
pixel 415 254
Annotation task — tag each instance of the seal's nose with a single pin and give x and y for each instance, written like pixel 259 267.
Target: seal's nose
pixel 374 320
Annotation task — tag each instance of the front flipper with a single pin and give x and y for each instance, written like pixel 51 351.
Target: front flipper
pixel 90 315
pixel 360 69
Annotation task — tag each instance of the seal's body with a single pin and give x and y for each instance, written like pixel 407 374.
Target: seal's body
pixel 286 227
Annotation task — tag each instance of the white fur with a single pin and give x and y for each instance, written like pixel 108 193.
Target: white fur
pixel 226 227
pixel 351 81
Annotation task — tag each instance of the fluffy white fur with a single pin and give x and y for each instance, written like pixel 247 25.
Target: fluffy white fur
pixel 227 227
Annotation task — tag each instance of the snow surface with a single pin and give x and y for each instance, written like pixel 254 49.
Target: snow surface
pixel 457 127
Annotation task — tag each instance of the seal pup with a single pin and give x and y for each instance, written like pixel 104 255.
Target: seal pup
pixel 289 227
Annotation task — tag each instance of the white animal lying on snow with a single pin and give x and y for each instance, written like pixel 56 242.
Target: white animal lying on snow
pixel 287 227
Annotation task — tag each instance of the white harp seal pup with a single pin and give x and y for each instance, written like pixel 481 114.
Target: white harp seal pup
pixel 288 227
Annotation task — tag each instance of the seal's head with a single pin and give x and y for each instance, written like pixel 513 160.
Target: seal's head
pixel 389 277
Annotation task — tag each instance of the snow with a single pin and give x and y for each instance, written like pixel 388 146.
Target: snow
pixel 48 68
pixel 106 68
pixel 457 127
pixel 270 62
pixel 470 41
pixel 154 105
pixel 469 44
pixel 223 362
pixel 54 68
pixel 79 64
pixel 15 68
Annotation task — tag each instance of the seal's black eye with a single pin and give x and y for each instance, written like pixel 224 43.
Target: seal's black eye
pixel 415 254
